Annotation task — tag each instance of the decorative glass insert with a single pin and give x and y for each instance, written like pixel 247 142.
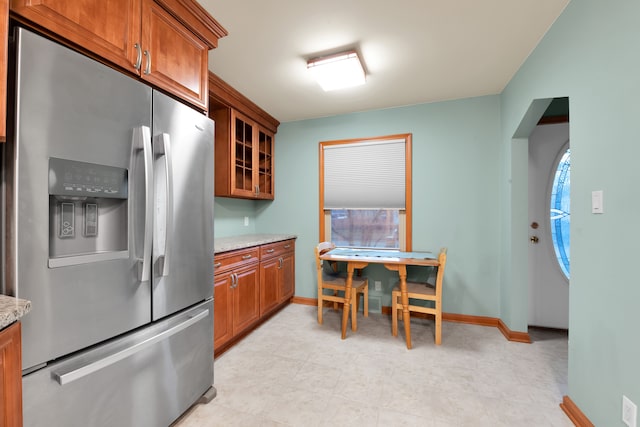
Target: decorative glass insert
pixel 560 213
pixel 365 228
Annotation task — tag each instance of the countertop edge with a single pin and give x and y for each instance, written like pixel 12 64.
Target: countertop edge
pixel 231 243
pixel 12 309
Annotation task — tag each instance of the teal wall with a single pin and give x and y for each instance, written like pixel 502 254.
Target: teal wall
pixel 470 184
pixel 592 55
pixel 229 216
pixel 456 175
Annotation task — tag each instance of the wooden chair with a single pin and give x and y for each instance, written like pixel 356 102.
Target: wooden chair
pixel 426 291
pixel 336 282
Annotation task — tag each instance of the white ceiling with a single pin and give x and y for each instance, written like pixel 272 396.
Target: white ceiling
pixel 414 51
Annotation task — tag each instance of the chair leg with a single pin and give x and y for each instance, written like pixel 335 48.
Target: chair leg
pixel 394 315
pixel 335 304
pixel 365 297
pixel 354 310
pixel 320 303
pixel 438 327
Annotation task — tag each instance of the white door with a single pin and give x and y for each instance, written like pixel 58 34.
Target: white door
pixel 548 285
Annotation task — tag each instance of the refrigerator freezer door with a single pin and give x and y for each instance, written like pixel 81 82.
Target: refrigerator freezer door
pixel 183 237
pixel 73 108
pixel 146 378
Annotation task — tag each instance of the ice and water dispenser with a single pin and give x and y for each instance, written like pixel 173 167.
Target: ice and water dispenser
pixel 88 212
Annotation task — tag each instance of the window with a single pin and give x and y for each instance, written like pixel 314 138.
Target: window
pixel 365 192
pixel 560 213
pixel 366 228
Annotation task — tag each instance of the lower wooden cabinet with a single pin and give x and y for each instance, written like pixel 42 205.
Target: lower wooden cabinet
pixel 11 377
pixel 277 274
pixel 287 277
pixel 250 284
pixel 236 294
pixel 222 316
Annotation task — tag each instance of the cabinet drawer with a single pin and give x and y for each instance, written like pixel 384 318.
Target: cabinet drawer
pixel 235 259
pixel 276 249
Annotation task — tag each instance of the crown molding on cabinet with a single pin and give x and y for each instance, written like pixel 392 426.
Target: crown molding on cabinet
pixel 200 22
pixel 222 94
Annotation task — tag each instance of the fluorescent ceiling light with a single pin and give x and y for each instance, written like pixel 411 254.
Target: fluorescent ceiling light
pixel 337 71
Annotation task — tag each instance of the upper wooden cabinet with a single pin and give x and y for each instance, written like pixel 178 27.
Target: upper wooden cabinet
pixel 244 156
pixel 244 144
pixel 165 42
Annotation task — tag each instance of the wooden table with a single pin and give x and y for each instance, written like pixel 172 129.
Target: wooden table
pixel 393 260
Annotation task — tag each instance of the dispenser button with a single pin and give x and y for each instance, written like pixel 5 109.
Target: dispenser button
pixel 67 220
pixel 90 219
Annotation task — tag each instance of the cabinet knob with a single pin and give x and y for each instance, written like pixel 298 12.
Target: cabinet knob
pixel 217 264
pixel 246 256
pixel 269 251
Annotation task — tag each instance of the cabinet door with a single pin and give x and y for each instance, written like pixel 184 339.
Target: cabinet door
pixel 11 377
pixel 287 277
pixel 242 156
pixel 265 164
pixel 222 310
pixel 269 284
pixel 173 57
pixel 246 298
pixel 109 29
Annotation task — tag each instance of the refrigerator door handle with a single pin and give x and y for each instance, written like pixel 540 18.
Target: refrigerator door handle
pixel 75 374
pixel 165 150
pixel 142 141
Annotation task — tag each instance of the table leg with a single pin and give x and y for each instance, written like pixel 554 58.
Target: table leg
pixel 406 316
pixel 347 299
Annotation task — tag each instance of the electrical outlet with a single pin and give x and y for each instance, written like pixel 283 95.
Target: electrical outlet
pixel 246 221
pixel 629 412
pixel 377 285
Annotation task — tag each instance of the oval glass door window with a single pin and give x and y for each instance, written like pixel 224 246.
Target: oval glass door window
pixel 560 213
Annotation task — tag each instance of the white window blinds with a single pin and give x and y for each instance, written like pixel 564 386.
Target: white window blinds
pixel 365 175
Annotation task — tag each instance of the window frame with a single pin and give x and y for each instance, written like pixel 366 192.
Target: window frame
pixel 405 216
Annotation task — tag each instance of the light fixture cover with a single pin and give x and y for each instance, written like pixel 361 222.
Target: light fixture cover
pixel 337 71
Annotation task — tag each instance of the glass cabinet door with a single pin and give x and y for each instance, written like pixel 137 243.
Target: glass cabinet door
pixel 243 156
pixel 265 162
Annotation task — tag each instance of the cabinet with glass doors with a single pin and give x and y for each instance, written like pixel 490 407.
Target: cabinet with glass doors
pixel 244 156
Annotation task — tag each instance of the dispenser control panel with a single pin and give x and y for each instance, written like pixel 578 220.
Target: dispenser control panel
pixel 72 178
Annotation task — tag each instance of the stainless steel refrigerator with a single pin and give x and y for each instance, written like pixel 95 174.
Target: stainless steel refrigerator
pixel 109 233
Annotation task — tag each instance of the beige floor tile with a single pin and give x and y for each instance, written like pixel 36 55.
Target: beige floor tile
pixel 293 372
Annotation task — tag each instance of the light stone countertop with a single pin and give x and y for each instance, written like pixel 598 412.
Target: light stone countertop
pixel 226 244
pixel 12 309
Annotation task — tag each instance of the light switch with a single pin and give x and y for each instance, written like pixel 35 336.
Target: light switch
pixel 597 206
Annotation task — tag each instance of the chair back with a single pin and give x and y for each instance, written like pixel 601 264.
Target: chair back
pixel 442 260
pixel 320 249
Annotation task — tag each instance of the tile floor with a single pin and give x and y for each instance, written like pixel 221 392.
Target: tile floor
pixel 293 372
